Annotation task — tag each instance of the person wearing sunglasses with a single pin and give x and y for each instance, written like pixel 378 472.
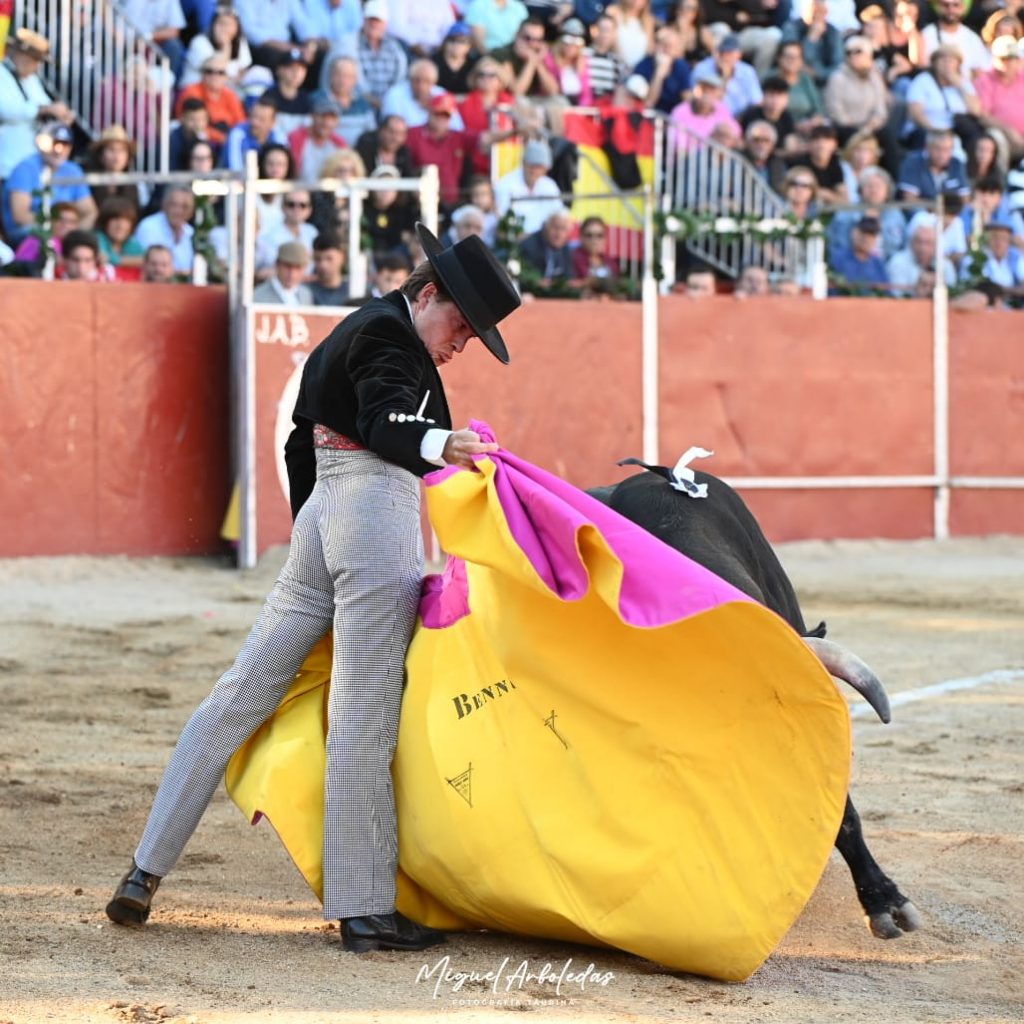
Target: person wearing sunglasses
pixel 221 102
pixel 297 207
pixel 485 122
pixel 593 270
pixel 524 62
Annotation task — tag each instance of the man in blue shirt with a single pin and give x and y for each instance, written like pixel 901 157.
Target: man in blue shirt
pixel 742 86
pixel 860 264
pixel 666 72
pixel 925 174
pixel 273 27
pixel 20 204
pixel 260 129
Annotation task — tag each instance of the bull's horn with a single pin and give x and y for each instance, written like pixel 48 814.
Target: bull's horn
pixel 848 667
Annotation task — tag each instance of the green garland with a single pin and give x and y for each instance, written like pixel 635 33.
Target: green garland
pixel 686 224
pixel 204 222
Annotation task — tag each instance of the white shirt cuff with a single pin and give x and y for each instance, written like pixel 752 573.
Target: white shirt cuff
pixel 432 446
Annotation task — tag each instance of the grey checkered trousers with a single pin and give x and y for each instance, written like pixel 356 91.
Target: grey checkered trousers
pixel 356 562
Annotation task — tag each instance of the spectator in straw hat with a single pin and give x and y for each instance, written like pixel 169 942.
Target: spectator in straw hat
pixel 528 191
pixel 113 152
pixel 286 287
pixel 24 100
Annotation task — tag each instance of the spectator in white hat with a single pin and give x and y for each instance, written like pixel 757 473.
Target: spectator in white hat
pixel 380 57
pixel 23 98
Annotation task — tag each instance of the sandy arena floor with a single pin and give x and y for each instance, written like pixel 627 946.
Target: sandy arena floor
pixel 102 660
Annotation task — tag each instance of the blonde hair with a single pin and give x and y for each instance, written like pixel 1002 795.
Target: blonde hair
pixel 332 165
pixel 487 62
pixel 861 138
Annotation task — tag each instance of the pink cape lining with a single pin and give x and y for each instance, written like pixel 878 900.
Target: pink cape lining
pixel 545 515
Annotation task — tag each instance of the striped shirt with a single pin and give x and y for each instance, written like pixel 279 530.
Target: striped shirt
pixel 607 70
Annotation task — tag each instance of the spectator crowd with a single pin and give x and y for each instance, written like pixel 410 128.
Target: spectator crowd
pixel 899 123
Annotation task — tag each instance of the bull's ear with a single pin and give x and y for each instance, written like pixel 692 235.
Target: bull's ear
pixel 660 470
pixel 819 631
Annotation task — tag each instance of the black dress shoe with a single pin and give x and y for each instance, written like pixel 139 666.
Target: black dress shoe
pixel 386 931
pixel 132 898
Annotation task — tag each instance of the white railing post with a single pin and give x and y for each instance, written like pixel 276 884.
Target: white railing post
pixel 357 259
pixel 649 314
pixel 246 423
pixel 940 379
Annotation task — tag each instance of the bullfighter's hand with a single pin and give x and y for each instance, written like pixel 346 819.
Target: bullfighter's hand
pixel 462 445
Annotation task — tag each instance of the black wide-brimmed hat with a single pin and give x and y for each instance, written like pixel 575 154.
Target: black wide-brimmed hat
pixel 478 284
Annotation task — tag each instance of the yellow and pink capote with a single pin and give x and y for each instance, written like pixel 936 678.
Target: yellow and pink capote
pixel 600 740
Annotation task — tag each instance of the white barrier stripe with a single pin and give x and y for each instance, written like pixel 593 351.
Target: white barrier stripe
pixel 1002 675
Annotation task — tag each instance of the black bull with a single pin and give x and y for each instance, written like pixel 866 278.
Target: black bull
pixel 720 533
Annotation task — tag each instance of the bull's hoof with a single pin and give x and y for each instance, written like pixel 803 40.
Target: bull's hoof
pixel 891 924
pixel 908 917
pixel 883 926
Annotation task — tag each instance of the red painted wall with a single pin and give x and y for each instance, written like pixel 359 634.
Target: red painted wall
pixel 114 419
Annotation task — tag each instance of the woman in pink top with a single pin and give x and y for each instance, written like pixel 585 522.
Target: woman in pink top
pixel 567 61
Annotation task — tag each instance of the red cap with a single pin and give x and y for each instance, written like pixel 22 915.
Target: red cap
pixel 443 103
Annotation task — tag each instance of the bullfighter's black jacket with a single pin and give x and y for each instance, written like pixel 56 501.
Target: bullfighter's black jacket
pixel 367 380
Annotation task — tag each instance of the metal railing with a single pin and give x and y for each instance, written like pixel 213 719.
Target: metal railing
pixel 702 176
pixel 106 71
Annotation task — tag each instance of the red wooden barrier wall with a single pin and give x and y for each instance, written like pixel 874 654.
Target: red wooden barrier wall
pixel 114 421
pixel 114 418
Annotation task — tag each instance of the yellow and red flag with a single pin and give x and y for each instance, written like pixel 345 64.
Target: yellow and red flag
pixel 6 13
pixel 600 742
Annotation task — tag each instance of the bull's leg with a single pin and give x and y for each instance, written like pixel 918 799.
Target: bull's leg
pixel 888 911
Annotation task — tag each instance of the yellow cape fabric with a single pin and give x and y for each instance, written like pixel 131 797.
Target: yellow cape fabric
pixel 672 791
